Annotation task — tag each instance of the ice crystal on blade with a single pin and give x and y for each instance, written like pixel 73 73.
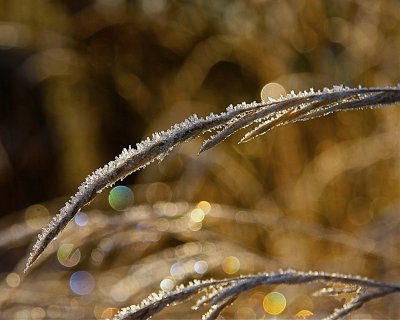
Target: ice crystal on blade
pixel 268 115
pixel 219 294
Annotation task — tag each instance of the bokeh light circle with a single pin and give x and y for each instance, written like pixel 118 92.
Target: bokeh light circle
pixel 13 280
pixel 231 265
pixel 109 313
pixel 68 255
pixel 38 313
pixel 81 282
pixel 81 219
pixel 272 90
pixel 197 215
pixel 201 267
pixel 274 303
pixel 36 215
pixel 205 206
pixel 304 314
pixel 167 284
pixel 177 270
pixel 120 198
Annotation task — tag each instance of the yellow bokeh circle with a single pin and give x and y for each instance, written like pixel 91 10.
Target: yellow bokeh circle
pixel 231 265
pixel 274 303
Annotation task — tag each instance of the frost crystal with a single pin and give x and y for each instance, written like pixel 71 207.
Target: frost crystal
pixel 286 109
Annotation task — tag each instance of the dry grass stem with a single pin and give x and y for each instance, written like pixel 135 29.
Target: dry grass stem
pixel 221 293
pixel 291 108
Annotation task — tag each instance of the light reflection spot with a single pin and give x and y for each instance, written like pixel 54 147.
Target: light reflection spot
pixel 81 219
pixel 201 267
pixel 167 284
pixel 109 313
pixel 81 282
pixel 13 280
pixel 231 265
pixel 205 206
pixel 274 303
pixel 197 215
pixel 177 270
pixel 304 314
pixel 36 215
pixel 68 256
pixel 97 256
pixel 38 313
pixel 120 198
pixel 272 90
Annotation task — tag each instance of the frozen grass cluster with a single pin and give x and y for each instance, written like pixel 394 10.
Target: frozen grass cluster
pixel 265 116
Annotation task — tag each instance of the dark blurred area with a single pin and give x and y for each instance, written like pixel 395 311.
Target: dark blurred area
pixel 81 80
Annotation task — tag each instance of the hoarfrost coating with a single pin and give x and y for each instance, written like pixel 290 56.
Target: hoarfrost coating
pixel 284 110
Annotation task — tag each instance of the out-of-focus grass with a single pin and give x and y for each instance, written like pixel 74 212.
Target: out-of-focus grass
pixel 106 260
pixel 80 80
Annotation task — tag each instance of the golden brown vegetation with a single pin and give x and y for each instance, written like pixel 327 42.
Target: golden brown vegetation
pixel 321 195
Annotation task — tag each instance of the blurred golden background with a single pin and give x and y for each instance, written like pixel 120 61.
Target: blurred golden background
pixel 80 80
